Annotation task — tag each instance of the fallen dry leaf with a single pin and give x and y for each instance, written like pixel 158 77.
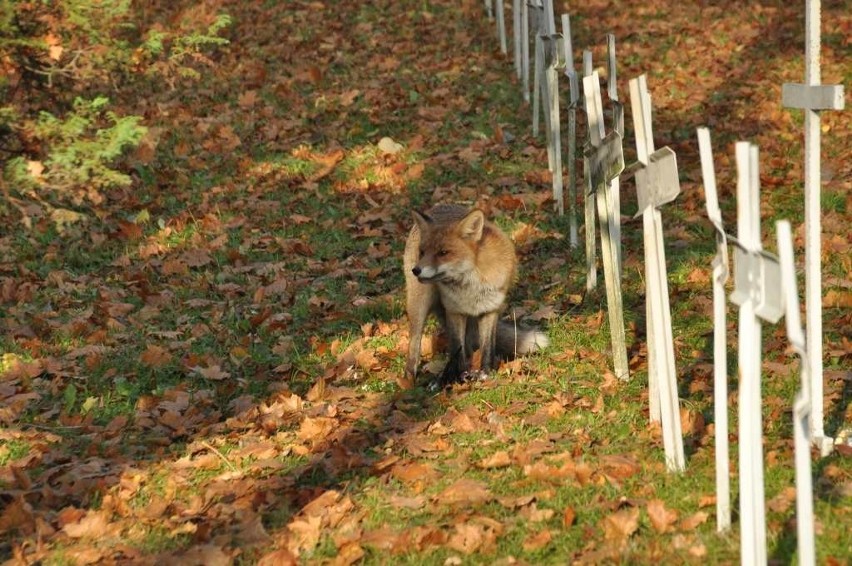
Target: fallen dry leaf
pixel 662 519
pixel 568 517
pixel 468 538
pixel 533 514
pixel 621 524
pixel 155 356
pixel 693 521
pixel 464 492
pixel 306 533
pixel 401 502
pixel 348 554
pixel 499 459
pixel 280 557
pixel 213 373
pixel 94 525
pixel 316 428
pixel 537 541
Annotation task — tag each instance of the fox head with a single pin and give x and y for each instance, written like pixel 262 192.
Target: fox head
pixel 448 246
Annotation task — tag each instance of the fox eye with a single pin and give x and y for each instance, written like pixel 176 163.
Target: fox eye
pixel 422 252
pixel 442 252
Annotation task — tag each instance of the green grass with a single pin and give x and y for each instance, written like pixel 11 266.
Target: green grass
pixel 336 281
pixel 11 450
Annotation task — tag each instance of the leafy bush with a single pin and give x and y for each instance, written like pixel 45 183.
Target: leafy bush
pixel 57 58
pixel 80 149
pixel 177 52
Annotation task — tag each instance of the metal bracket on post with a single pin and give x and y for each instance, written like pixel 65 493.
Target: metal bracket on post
pixel 658 179
pixel 756 277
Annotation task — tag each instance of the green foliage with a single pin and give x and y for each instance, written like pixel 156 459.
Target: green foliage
pixel 81 148
pixel 177 53
pixel 58 137
pixel 12 35
pixel 195 42
pixel 96 20
pixel 11 450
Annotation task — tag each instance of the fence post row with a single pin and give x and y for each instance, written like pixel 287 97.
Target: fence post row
pixel 756 272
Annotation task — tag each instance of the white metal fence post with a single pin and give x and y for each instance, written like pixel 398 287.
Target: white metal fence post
pixel 606 161
pixel 657 184
pixel 813 97
pixel 802 402
pixel 720 345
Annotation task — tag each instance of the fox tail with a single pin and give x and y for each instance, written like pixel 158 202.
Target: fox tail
pixel 513 341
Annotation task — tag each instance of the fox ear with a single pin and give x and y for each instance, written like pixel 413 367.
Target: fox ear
pixel 471 226
pixel 422 220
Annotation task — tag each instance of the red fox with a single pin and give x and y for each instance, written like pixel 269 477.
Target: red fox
pixel 460 267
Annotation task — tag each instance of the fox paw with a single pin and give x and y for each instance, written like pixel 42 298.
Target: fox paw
pixel 474 375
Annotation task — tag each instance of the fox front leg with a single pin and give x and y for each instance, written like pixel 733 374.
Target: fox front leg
pixel 458 360
pixel 488 340
pixel 471 337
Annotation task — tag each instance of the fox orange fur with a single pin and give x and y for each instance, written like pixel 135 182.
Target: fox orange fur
pixel 460 267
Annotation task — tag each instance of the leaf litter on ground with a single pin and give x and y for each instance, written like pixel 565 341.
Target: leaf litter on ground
pixel 209 373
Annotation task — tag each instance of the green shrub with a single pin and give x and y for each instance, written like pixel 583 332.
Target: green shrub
pixel 80 150
pixel 58 57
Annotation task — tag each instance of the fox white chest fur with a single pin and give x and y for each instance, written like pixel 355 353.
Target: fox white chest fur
pixel 471 295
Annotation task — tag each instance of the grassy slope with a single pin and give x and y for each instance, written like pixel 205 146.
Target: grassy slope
pixel 185 387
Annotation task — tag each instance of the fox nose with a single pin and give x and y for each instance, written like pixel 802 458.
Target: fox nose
pixel 416 271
